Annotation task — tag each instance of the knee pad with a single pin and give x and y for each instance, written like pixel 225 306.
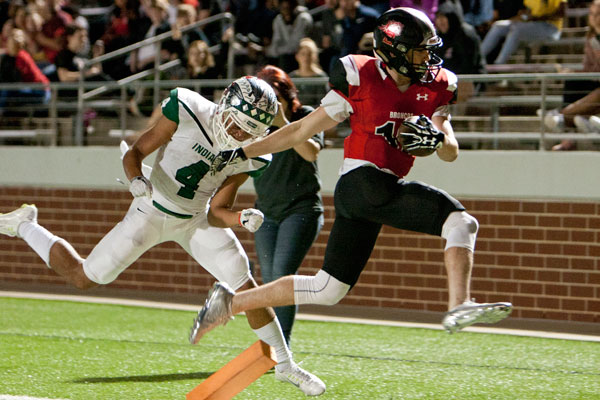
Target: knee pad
pixel 460 230
pixel 319 289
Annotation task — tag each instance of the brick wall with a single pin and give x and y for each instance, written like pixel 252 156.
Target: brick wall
pixel 541 255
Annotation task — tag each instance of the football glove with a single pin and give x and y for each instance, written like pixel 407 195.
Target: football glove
pixel 251 219
pixel 424 135
pixel 226 157
pixel 140 186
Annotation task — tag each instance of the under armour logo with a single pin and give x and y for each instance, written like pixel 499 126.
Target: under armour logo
pixel 422 96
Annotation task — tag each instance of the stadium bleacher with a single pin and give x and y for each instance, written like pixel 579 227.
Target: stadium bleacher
pixel 500 116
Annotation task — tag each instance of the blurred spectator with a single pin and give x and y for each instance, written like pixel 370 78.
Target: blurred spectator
pixel 307 57
pixel 214 30
pixel 541 20
pixel 17 65
pixel 331 34
pixel 503 10
pixel 200 64
pixel 358 20
pixel 460 50
pixel 50 37
pixel 70 62
pixel 429 7
pixel 143 58
pixel 254 20
pixel 582 97
pixel 251 34
pixel 126 26
pixel 478 13
pixel 292 24
pixel 178 46
pixel 30 22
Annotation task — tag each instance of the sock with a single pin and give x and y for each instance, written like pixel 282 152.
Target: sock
pixel 271 335
pixel 38 238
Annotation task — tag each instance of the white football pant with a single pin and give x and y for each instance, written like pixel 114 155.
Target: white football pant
pixel 217 250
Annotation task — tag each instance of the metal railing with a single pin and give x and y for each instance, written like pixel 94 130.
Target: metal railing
pixel 490 111
pixel 156 40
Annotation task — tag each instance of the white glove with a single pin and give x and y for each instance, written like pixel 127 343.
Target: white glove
pixel 140 186
pixel 251 219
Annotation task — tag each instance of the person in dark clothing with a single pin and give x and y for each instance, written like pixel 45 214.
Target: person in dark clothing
pixel 460 50
pixel 358 20
pixel 126 27
pixel 288 195
pixel 69 63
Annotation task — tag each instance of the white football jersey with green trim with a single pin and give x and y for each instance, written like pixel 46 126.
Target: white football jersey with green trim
pixel 180 175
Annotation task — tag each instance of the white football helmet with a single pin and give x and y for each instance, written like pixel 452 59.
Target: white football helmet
pixel 251 104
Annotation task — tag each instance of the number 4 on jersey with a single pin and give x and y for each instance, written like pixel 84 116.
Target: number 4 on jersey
pixel 189 177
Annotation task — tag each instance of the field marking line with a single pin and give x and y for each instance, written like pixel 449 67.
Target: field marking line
pixel 9 397
pixel 300 316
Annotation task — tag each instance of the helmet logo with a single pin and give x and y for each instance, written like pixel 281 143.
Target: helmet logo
pixel 392 29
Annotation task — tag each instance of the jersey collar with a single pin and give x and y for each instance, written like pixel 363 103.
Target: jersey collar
pixel 381 69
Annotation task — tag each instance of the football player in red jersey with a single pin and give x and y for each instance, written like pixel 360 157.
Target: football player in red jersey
pixel 377 94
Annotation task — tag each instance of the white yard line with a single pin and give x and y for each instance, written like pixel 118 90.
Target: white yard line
pixel 300 316
pixel 9 397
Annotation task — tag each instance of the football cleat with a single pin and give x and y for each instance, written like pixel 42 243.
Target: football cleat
pixel 9 222
pixel 309 383
pixel 216 311
pixel 469 313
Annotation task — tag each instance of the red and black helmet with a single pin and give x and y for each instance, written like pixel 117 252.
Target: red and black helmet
pixel 402 29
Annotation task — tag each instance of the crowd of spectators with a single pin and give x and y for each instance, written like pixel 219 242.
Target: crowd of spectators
pixel 55 37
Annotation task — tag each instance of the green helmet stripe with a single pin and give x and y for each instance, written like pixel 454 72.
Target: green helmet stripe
pixel 254 112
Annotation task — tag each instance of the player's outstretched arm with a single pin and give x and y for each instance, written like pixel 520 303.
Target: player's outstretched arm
pixel 291 135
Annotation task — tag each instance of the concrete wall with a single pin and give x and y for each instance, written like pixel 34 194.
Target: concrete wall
pixel 538 244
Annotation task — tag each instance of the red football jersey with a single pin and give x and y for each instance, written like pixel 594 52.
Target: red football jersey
pixel 379 107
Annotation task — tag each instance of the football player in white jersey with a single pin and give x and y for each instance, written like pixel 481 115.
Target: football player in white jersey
pixel 181 202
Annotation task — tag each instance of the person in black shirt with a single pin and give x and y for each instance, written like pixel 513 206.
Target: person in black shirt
pixel 69 61
pixel 289 197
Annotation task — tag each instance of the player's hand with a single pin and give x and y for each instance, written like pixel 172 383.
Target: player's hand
pixel 226 157
pixel 423 135
pixel 251 219
pixel 140 186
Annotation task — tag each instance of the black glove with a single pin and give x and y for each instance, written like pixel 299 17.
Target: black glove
pixel 226 157
pixel 423 135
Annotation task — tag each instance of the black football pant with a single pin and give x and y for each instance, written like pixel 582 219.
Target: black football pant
pixel 367 198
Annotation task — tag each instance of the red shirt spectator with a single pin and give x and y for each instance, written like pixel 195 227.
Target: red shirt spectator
pixel 28 69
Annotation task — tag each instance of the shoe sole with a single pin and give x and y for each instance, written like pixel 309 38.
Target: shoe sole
pixel 15 233
pixel 488 314
pixel 199 333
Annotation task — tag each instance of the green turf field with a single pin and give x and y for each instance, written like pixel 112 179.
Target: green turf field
pixel 83 351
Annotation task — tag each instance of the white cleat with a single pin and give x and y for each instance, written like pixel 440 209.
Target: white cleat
pixel 216 311
pixel 9 222
pixel 469 313
pixel 309 383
